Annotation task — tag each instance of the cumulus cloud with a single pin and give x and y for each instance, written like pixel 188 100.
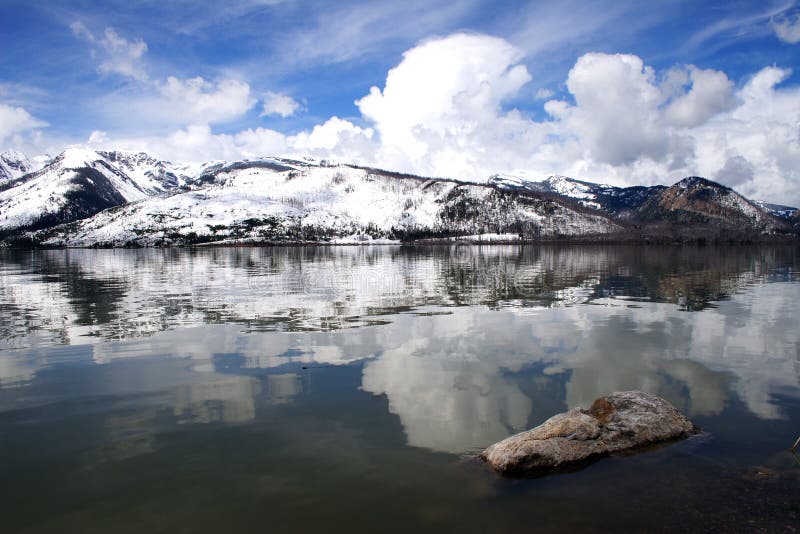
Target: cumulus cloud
pixel 197 142
pixel 443 94
pixel 626 118
pixel 196 99
pixel 544 94
pixel 787 27
pixel 337 137
pixel 278 104
pixel 615 97
pixel 118 54
pixel 444 110
pixel 16 120
pixel 764 129
pixel 711 93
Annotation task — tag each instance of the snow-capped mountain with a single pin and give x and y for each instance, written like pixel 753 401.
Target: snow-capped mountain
pixel 149 173
pixel 784 212
pixel 13 164
pixel 584 192
pixel 280 200
pixel 617 201
pixel 85 198
pixel 692 201
pixel 79 183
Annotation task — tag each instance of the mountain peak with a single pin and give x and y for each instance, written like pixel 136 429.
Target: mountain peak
pixel 77 157
pixel 699 181
pixel 297 200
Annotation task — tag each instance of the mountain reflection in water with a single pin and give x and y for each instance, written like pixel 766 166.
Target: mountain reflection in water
pixel 469 344
pixel 74 296
pixel 231 388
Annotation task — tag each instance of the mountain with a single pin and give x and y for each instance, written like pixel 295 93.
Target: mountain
pixel 279 200
pixel 13 164
pixel 697 203
pixel 618 201
pixel 79 183
pixel 694 203
pixel 152 175
pixel 88 198
pixel 784 212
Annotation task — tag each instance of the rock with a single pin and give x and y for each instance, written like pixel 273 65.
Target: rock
pixel 614 423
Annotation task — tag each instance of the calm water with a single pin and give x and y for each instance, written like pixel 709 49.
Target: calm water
pixel 342 389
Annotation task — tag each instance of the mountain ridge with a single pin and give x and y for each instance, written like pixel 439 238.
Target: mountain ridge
pixel 13 164
pixel 115 198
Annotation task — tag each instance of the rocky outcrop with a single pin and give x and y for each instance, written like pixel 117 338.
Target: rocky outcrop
pixel 616 422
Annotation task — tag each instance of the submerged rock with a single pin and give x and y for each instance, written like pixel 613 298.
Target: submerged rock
pixel 616 422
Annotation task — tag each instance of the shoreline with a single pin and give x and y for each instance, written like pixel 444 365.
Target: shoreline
pixel 455 241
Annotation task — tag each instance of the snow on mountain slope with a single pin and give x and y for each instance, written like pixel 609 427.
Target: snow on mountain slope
pixel 13 164
pixel 77 184
pixel 693 200
pixel 574 188
pixel 278 200
pixel 152 175
pixel 610 199
pixel 120 198
pixel 784 212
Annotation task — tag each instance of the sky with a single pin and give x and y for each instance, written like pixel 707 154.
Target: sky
pixel 619 92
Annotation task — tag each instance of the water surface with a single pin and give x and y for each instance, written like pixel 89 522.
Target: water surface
pixel 348 388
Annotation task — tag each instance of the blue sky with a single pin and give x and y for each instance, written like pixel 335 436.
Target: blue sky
pixel 78 67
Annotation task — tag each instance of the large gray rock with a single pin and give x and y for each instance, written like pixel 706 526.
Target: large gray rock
pixel 614 423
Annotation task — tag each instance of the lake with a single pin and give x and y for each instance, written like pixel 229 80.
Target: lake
pixel 349 388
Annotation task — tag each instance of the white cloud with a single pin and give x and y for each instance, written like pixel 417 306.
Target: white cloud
pixel 22 95
pixel 616 99
pixel 443 111
pixel 736 171
pixel 737 26
pixel 124 56
pixel 711 93
pixel 14 121
pixel 173 101
pixel 198 143
pixel 626 119
pixel 279 104
pixel 441 98
pixel 544 93
pixel 764 129
pixel 552 27
pixel 199 100
pixel 97 138
pixel 119 55
pixel 80 30
pixel 340 138
pixel 787 27
pixel 344 30
pixel 177 103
